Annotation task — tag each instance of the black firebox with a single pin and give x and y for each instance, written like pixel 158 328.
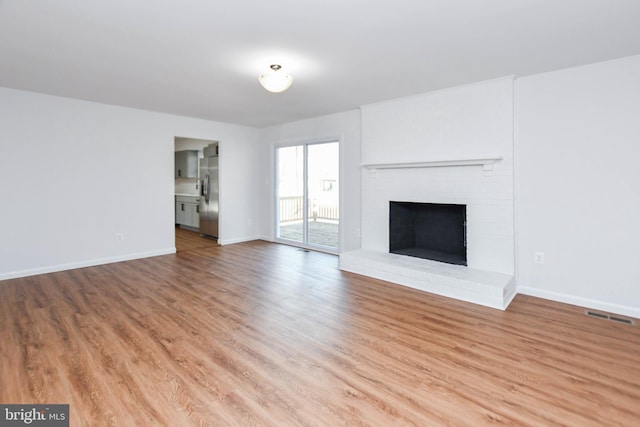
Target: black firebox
pixel 429 230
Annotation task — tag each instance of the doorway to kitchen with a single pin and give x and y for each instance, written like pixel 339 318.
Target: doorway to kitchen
pixel 189 154
pixel 308 195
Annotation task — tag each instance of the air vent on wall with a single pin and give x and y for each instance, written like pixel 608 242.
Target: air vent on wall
pixel 611 317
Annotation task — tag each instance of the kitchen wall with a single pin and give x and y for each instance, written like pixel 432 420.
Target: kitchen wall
pixel 74 175
pixel 578 185
pixel 342 126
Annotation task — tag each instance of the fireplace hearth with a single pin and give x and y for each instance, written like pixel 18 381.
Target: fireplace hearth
pixel 432 231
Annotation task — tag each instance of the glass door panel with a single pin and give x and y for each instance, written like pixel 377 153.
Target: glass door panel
pixel 322 187
pixel 291 193
pixel 308 195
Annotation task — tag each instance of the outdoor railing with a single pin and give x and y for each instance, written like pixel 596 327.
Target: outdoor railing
pixel 291 210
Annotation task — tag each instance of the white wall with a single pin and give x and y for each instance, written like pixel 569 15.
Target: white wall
pixel 578 185
pixel 473 121
pixel 75 173
pixel 343 126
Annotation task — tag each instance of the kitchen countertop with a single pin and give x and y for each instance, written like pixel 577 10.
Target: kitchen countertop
pixel 187 194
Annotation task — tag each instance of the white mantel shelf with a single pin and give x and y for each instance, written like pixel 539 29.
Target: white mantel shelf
pixel 485 162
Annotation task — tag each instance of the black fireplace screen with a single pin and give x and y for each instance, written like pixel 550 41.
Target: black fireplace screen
pixel 429 230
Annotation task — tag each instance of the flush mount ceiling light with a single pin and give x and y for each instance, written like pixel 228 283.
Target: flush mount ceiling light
pixel 275 80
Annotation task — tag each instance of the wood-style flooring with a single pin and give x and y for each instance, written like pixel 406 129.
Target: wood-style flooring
pixel 270 335
pixel 188 240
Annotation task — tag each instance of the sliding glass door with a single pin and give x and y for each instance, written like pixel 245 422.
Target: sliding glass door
pixel 307 196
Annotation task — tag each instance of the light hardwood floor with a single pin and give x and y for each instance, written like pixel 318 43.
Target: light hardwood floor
pixel 265 334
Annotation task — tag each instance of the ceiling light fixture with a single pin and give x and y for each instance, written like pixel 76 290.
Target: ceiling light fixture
pixel 275 80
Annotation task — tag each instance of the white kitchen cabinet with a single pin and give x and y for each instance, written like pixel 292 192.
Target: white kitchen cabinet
pixel 186 164
pixel 188 211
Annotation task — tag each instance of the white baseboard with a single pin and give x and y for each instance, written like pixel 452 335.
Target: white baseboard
pixel 581 302
pixel 82 264
pixel 237 240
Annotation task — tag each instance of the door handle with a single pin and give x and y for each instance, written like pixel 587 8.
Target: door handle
pixel 205 188
pixel 182 207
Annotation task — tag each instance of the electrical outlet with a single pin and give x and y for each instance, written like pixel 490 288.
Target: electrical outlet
pixel 538 257
pixel 120 237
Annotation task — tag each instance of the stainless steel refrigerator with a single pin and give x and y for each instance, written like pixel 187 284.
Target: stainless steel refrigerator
pixel 209 192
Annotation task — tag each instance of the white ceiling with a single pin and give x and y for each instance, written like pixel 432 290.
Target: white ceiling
pixel 201 58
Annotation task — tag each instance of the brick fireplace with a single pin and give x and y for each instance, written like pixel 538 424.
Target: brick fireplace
pixel 452 147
